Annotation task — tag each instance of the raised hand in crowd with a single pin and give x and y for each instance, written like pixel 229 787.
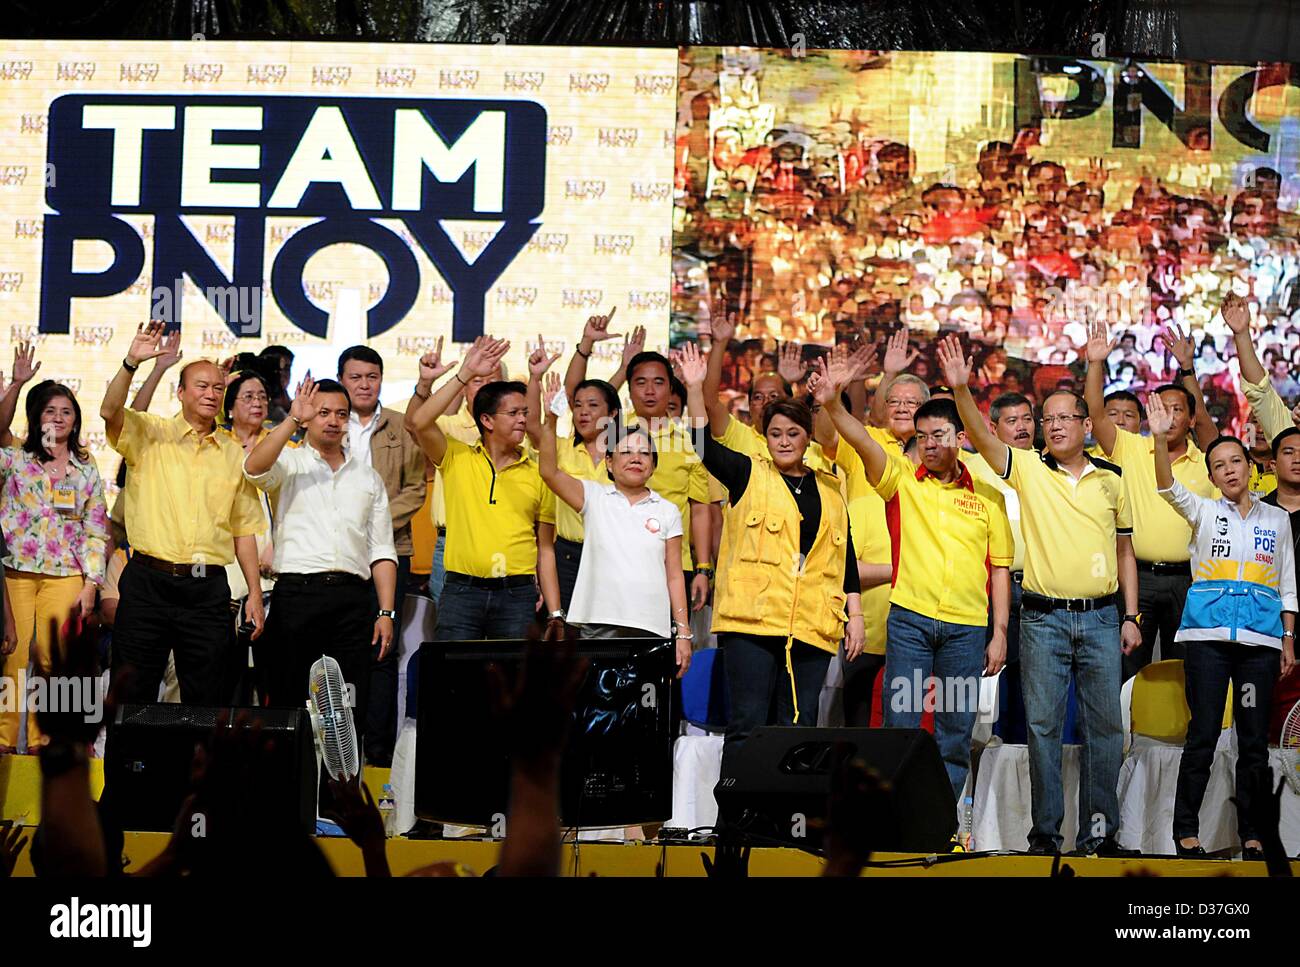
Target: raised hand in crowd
pixel 1236 313
pixel 355 812
pixel 1100 345
pixel 24 368
pixel 898 353
pixel 536 713
pixel 859 814
pixel 539 360
pixel 632 344
pixel 722 324
pixel 691 364
pixel 432 366
pixel 304 407
pixel 12 841
pixel 1180 345
pixel 25 365
pixel 790 365
pixel 597 329
pixel 955 365
pixel 147 343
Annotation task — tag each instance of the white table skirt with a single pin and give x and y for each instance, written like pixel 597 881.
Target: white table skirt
pixel 697 763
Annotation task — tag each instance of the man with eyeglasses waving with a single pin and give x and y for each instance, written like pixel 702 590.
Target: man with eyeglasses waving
pixel 1077 529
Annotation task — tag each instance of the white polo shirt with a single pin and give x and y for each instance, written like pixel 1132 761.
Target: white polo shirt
pixel 359 436
pixel 327 520
pixel 622 578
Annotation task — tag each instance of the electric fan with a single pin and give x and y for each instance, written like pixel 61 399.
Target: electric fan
pixel 331 720
pixel 1289 745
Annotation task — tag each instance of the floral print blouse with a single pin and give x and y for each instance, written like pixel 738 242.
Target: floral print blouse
pixel 57 530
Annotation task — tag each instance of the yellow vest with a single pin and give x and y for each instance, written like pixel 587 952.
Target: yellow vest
pixel 760 589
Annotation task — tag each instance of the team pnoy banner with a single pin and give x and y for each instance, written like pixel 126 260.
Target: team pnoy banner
pixel 318 195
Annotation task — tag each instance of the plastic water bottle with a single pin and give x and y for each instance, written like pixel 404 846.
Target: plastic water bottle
pixel 966 838
pixel 388 809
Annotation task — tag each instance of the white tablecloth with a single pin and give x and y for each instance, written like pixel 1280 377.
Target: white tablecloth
pixel 697 763
pixel 1147 784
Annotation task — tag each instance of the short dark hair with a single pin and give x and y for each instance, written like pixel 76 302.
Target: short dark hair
pixel 334 386
pixel 1080 404
pixel 645 358
pixel 1005 402
pixel 940 409
pixel 1219 441
pixel 611 400
pixel 233 387
pixel 362 354
pixel 620 431
pixel 1127 397
pixel 1187 395
pixel 796 411
pixel 488 399
pixel 283 352
pixel 677 388
pixel 1277 440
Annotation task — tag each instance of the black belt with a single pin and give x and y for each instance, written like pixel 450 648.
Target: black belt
pixel 320 577
pixel 491 584
pixel 194 570
pixel 1040 602
pixel 1183 568
pixel 1018 577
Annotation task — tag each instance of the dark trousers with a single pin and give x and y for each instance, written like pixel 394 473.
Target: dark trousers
pixel 568 554
pixel 469 613
pixel 159 614
pixel 381 722
pixel 758 686
pixel 1011 726
pixel 314 619
pixel 1210 665
pixel 860 689
pixel 1161 596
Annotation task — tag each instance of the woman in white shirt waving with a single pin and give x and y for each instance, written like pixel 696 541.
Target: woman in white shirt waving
pixel 1238 623
pixel 630 582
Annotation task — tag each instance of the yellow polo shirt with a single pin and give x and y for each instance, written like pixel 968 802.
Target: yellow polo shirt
pixel 948 535
pixel 980 470
pixel 457 426
pixel 575 460
pixel 186 497
pixel 1274 417
pixel 1160 533
pixel 1069 526
pixel 492 515
pixel 679 477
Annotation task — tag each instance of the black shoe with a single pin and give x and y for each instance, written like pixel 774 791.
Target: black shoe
pixel 423 829
pixel 1196 852
pixel 1042 847
pixel 1107 849
pixel 1252 854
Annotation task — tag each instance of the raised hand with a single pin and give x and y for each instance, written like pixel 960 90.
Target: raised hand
pixel 484 356
pixel 693 364
pixel 147 342
pixel 1180 344
pixel 597 327
pixel 861 360
pixel 536 711
pixel 722 324
pixel 432 365
pixel 171 350
pixel 355 812
pixel 955 364
pixel 790 365
pixel 1159 418
pixel 539 361
pixel 12 841
pixel 24 356
pixel 898 355
pixel 552 387
pixel 820 385
pixel 633 344
pixel 304 407
pixel 1236 313
pixel 1099 345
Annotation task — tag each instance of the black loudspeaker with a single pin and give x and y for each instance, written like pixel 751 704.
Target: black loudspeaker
pixel 617 769
pixel 779 785
pixel 151 748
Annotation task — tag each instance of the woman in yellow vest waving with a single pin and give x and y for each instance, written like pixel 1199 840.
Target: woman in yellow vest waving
pixel 787 583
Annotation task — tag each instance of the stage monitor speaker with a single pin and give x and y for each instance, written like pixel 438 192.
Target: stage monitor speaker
pixel 617 769
pixel 151 750
pixel 779 784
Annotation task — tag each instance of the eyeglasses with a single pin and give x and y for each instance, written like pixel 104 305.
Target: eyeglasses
pixel 903 404
pixel 251 398
pixel 1063 419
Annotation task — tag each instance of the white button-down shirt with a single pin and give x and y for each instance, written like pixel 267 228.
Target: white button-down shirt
pixel 359 436
pixel 327 520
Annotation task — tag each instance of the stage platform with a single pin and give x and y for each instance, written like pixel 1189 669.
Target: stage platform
pixel 20 803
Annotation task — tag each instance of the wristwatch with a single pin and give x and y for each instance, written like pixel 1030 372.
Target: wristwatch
pixel 385 613
pixel 557 615
pixel 1135 618
pixel 1288 634
pixel 1184 373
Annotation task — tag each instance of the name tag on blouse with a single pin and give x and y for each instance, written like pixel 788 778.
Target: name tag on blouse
pixel 65 498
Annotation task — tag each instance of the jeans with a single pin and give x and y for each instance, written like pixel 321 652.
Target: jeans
pixel 1161 597
pixel 568 555
pixel 1010 726
pixel 758 687
pixel 918 648
pixel 1210 667
pixel 467 613
pixel 1052 645
pixel 438 569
